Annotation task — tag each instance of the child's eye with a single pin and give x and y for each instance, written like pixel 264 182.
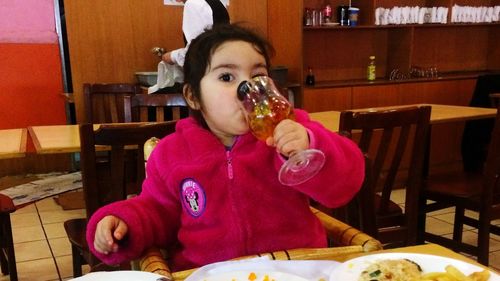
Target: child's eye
pixel 226 77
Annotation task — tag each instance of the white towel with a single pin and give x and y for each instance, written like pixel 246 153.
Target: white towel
pixel 168 75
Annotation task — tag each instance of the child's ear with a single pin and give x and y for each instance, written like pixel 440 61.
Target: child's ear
pixel 190 98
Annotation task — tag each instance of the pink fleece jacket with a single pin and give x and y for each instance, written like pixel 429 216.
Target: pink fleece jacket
pixel 205 203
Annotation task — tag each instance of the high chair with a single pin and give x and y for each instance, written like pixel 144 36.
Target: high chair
pixel 343 238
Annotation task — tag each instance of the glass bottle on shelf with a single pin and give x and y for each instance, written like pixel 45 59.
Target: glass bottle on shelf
pixel 310 77
pixel 371 74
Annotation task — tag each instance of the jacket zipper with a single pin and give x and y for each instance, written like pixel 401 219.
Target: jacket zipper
pixel 229 165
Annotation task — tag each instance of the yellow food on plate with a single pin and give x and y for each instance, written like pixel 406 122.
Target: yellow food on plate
pixel 392 270
pixel 454 274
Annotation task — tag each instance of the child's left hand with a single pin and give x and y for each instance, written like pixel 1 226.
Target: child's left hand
pixel 289 137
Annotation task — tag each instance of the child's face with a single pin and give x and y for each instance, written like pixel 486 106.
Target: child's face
pixel 232 63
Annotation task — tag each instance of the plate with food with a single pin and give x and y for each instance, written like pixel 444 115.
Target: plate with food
pixel 409 267
pixel 253 276
pixel 124 275
pixel 263 269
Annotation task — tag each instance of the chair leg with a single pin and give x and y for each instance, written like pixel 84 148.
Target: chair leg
pixel 421 219
pixel 4 262
pixel 8 259
pixel 483 239
pixel 458 225
pixel 77 261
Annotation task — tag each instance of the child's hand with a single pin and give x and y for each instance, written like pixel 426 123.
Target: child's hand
pixel 289 137
pixel 109 230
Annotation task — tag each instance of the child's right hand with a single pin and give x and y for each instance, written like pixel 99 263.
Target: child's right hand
pixel 109 230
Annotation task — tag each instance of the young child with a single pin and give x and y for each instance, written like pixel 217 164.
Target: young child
pixel 212 191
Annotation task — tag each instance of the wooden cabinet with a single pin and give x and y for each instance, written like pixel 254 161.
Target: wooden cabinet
pixel 338 54
pixel 324 99
pixel 339 57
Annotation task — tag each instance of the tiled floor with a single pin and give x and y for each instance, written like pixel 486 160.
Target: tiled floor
pixel 43 252
pixel 42 249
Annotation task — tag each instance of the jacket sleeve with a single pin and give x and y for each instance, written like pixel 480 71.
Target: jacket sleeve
pixel 152 218
pixel 343 172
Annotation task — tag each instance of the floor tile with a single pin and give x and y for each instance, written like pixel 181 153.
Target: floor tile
pixel 442 211
pixel 27 209
pixel 495 260
pixel 398 196
pixel 54 230
pixel 37 270
pixel 28 233
pixel 32 250
pixel 65 265
pixel 24 219
pixel 438 227
pixel 60 246
pixel 60 216
pixel 450 218
pixel 472 214
pixel 470 237
pixel 48 204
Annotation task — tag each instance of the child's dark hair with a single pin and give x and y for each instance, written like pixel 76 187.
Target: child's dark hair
pixel 201 49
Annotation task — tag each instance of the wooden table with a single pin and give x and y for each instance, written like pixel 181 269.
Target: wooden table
pixel 430 249
pixel 439 114
pixel 12 143
pixel 56 138
pixel 53 139
pixel 66 138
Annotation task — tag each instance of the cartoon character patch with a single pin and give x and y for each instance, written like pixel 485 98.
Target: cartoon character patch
pixel 193 197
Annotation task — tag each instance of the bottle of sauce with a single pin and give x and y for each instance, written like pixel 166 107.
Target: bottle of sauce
pixel 310 77
pixel 371 74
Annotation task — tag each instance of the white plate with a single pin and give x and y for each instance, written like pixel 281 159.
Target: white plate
pixel 243 275
pixel 125 275
pixel 350 270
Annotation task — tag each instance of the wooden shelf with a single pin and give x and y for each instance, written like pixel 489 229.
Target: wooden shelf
pixel 390 26
pixel 384 81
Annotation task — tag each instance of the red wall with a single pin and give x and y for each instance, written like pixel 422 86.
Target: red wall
pixel 31 84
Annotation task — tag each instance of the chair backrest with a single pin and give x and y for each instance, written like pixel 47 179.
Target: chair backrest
pixel 103 103
pixel 155 107
pixel 495 100
pixel 387 137
pixel 122 172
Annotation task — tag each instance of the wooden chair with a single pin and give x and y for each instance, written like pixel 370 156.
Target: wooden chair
pixel 103 103
pixel 495 100
pixel 388 137
pixel 166 107
pixel 7 255
pixel 477 192
pixel 343 238
pixel 103 184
